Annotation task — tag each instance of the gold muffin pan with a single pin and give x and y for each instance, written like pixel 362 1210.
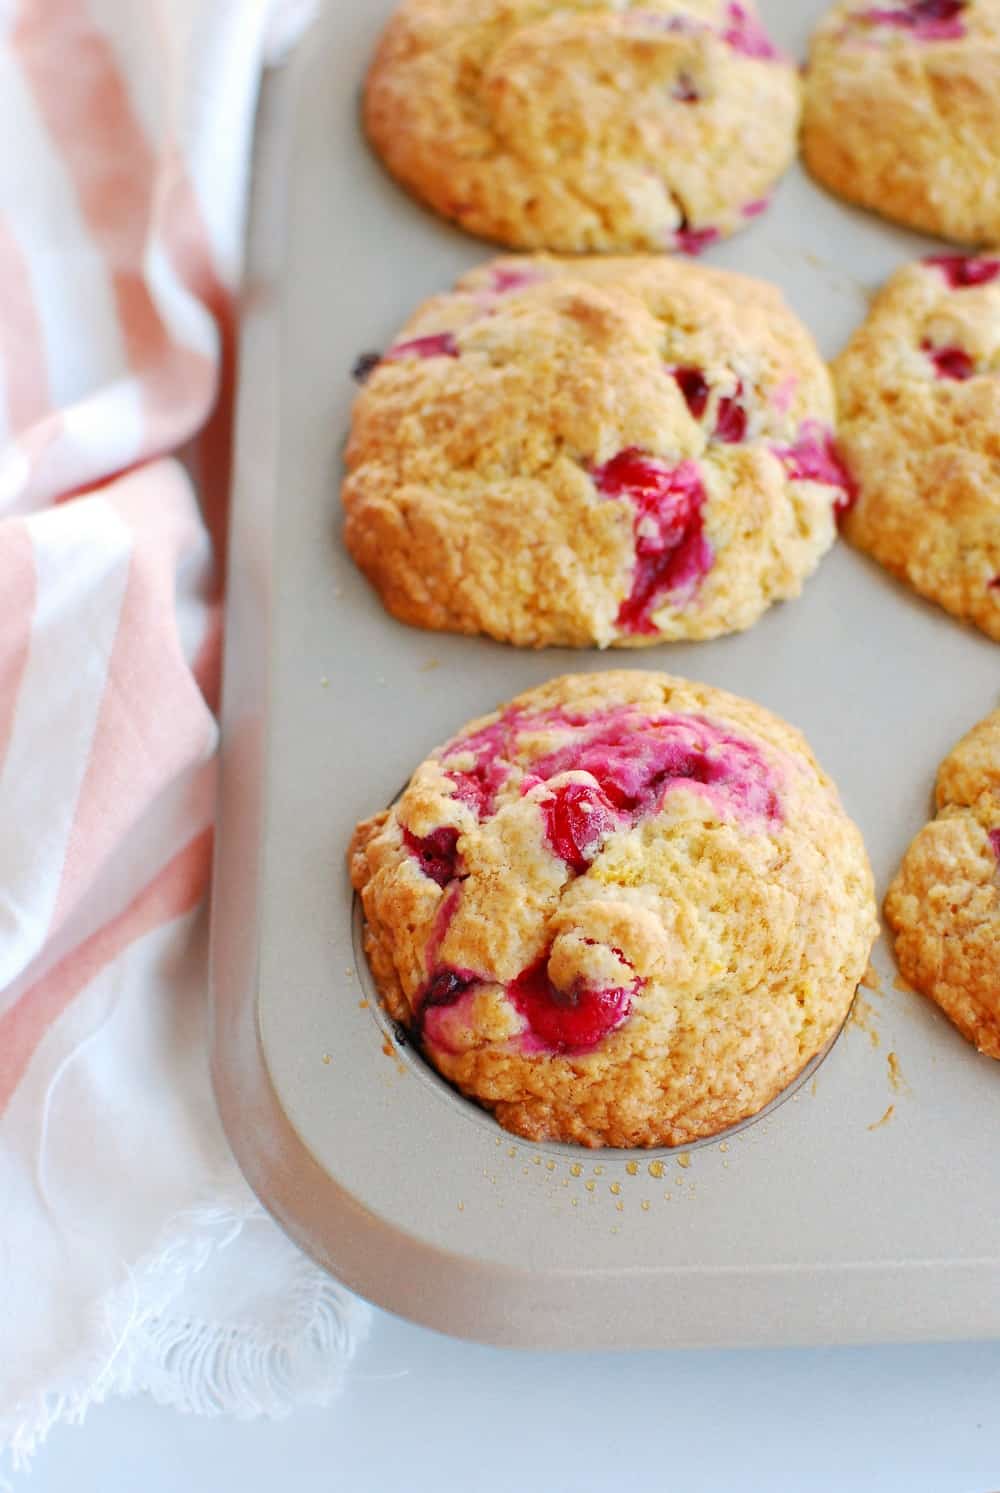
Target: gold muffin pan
pixel 864 1207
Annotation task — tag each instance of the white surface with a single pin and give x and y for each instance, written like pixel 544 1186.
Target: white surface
pixel 426 1415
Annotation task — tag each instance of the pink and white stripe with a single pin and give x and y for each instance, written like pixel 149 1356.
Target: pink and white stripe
pixel 122 185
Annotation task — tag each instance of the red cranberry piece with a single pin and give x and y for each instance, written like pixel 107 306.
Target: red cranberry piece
pixel 444 988
pixel 672 554
pixel 658 573
pixel 634 781
pixel 504 280
pixel 950 362
pixel 695 387
pixel 929 20
pixel 633 474
pixel 815 458
pixel 994 584
pixel 477 787
pixel 474 792
pixel 731 419
pixel 442 922
pixel 730 415
pixel 962 271
pixel 577 817
pixel 745 34
pixel 694 241
pixel 573 1022
pixel 936 10
pixel 756 208
pixel 684 90
pixel 364 366
pixel 994 838
pixel 635 762
pixel 436 852
pixel 438 345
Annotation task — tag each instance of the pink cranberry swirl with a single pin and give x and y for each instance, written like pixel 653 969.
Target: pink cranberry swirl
pixel 924 20
pixel 593 898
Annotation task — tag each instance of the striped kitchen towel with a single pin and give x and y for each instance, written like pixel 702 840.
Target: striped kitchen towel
pixel 131 1255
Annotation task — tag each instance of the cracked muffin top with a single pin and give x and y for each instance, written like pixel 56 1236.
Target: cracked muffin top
pixel 944 905
pixel 594 451
pixel 576 125
pixel 918 393
pixel 624 910
pixel 902 112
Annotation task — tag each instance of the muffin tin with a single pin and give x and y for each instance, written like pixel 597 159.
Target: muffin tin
pixel 862 1208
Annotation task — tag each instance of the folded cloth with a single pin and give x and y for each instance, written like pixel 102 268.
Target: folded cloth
pixel 132 1256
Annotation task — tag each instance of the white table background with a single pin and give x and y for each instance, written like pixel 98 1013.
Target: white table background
pixel 425 1414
